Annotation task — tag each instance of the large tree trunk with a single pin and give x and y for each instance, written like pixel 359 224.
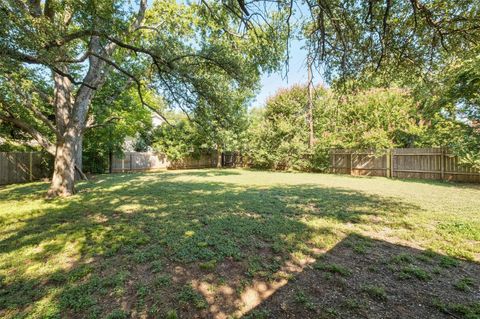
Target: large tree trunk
pixel 64 165
pixel 63 179
pixel 71 116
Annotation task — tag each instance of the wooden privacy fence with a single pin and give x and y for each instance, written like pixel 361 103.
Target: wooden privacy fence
pixel 235 159
pixel 139 161
pixel 18 167
pixel 201 161
pixel 422 163
pixel 136 161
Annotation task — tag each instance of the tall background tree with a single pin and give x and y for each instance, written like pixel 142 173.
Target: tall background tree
pixel 370 118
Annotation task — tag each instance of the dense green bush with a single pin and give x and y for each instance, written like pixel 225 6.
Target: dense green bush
pixel 375 118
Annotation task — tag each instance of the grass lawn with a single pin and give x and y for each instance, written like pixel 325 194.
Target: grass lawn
pixel 233 243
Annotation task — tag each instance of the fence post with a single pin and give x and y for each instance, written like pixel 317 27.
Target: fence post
pixel 332 162
pixel 392 155
pixel 31 166
pixel 123 164
pixel 442 164
pixel 388 156
pixel 110 162
pixel 131 163
pixel 351 163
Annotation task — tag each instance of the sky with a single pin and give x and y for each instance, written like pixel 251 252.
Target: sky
pixel 297 74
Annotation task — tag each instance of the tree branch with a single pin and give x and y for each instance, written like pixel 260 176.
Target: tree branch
pixel 107 121
pixel 21 57
pixel 137 82
pixel 140 15
pixel 29 104
pixel 42 140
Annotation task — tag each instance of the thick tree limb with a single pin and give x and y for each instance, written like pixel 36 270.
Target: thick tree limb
pixel 91 123
pixel 49 10
pixel 140 15
pixel 35 8
pixel 21 57
pixel 42 140
pixel 81 173
pixel 241 4
pixel 29 105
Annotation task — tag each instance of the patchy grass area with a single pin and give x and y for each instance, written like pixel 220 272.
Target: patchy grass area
pixel 219 243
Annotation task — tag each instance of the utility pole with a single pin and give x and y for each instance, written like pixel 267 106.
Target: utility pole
pixel 310 101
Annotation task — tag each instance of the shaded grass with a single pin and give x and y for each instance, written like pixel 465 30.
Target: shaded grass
pixel 125 240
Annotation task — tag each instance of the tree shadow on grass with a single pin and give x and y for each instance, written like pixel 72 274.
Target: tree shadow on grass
pixel 365 278
pixel 24 190
pixel 207 172
pixel 144 245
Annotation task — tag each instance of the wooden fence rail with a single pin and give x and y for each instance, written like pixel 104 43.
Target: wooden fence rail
pixel 421 163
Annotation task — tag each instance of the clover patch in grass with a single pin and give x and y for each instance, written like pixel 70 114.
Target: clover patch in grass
pixel 333 268
pixel 466 310
pixel 465 284
pixel 414 272
pixel 188 295
pixel 304 300
pixel 375 292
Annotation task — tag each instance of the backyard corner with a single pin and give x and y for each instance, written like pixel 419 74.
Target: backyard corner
pixel 233 243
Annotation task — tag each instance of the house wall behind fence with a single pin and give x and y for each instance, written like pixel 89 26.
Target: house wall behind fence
pixel 421 163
